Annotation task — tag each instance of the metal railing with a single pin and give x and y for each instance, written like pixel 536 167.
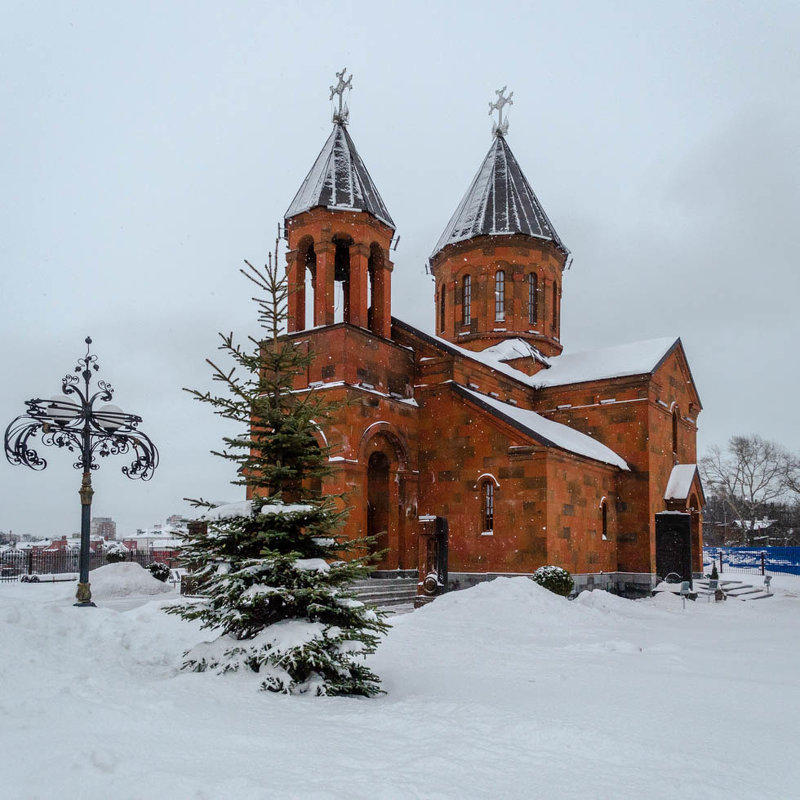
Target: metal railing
pixel 753 560
pixel 18 565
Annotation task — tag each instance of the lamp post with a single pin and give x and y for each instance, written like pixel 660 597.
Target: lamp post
pixel 71 420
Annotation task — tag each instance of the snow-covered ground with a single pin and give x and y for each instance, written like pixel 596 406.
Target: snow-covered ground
pixel 500 691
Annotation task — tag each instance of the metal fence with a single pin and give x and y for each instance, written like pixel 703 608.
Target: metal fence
pixel 18 565
pixel 755 560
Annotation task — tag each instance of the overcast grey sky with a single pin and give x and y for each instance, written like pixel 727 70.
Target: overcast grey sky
pixel 148 147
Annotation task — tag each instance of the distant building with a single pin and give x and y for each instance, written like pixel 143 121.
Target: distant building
pixel 105 527
pixel 161 542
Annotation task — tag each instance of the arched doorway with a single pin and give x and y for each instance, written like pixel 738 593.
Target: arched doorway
pixel 389 496
pixel 378 502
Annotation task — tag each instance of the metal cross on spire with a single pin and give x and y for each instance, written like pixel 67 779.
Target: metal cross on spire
pixel 500 128
pixel 341 116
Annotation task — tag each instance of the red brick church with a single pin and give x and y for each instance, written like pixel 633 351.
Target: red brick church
pixel 524 453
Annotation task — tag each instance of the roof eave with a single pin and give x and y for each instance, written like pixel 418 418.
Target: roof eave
pixel 555 242
pixel 389 223
pixel 522 428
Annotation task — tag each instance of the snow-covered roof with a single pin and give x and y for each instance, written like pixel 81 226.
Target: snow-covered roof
pixel 757 525
pixel 339 180
pixel 499 202
pixel 510 349
pixel 156 533
pixel 680 482
pixel 636 358
pixel 549 432
pixel 486 357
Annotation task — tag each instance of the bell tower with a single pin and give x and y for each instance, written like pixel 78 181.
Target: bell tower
pixel 339 232
pixel 499 262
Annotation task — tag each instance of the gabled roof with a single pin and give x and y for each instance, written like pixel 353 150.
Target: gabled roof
pixel 479 357
pixel 549 433
pixel 681 480
pixel 339 180
pixel 621 361
pixel 499 202
pixel 512 349
pixel 636 358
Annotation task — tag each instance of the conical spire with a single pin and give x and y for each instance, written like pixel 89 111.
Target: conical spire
pixel 339 180
pixel 499 202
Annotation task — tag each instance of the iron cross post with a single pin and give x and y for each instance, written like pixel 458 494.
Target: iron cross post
pixel 341 116
pixel 500 128
pixel 71 421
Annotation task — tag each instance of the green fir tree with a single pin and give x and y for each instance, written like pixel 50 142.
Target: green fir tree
pixel 274 572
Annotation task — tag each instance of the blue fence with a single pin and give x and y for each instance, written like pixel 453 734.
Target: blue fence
pixel 756 560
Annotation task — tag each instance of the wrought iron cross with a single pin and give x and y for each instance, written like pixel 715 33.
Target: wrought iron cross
pixel 343 113
pixel 71 420
pixel 500 128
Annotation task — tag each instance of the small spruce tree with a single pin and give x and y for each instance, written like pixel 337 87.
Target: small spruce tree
pixel 272 571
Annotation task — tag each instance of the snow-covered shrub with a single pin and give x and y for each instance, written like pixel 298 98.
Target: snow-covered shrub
pixel 556 579
pixel 116 556
pixel 123 580
pixel 159 570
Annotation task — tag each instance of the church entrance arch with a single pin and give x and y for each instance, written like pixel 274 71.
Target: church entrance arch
pixel 385 457
pixel 378 502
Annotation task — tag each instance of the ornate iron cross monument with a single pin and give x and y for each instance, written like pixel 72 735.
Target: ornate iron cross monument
pixel 71 421
pixel 343 114
pixel 500 128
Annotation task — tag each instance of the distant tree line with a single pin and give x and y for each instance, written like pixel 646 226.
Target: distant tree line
pixel 752 494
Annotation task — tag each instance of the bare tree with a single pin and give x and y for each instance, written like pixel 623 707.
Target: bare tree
pixel 747 475
pixel 793 475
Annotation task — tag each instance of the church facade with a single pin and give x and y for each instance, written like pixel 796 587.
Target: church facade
pixel 485 428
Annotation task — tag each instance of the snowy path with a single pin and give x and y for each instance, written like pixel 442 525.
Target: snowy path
pixel 500 691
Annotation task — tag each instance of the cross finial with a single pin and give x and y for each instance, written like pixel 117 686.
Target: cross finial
pixel 343 112
pixel 500 128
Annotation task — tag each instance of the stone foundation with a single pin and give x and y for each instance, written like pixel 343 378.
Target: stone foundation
pixel 624 584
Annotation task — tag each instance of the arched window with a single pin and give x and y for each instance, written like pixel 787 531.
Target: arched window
pixel 533 292
pixel 500 295
pixel 466 300
pixel 604 518
pixel 487 506
pixel 442 293
pixel 341 280
pixel 676 415
pixel 555 308
pixel 310 281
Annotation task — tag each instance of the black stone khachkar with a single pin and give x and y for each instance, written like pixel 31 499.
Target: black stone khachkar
pixel 674 545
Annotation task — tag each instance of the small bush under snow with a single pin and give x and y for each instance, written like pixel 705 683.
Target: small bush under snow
pixel 122 580
pixel 159 571
pixel 556 579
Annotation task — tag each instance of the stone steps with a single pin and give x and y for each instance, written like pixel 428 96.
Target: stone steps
pixel 735 589
pixel 387 592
